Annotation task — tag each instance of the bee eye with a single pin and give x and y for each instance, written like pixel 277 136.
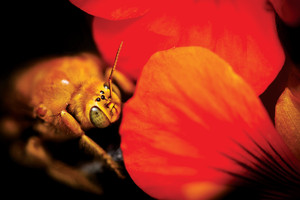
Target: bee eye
pixel 98 99
pixel 98 118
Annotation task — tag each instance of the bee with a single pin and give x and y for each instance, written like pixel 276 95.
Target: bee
pixel 65 97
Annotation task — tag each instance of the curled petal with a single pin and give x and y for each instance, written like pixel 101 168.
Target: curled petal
pixel 288 120
pixel 287 115
pixel 195 130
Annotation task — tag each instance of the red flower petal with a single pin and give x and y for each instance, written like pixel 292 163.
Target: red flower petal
pixel 241 32
pixel 194 127
pixel 135 51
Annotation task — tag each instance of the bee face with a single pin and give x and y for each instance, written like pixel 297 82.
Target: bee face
pixel 106 107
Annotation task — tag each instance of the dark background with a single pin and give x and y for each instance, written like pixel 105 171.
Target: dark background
pixel 34 28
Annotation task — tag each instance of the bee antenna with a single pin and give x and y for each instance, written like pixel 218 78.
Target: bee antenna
pixel 113 69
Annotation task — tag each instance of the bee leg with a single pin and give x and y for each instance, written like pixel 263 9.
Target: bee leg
pixel 74 131
pixel 93 148
pixel 69 121
pixel 58 126
pixel 33 154
pixel 88 144
pixel 49 132
pixel 72 177
pixel 125 84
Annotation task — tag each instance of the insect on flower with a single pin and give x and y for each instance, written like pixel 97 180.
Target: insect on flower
pixel 67 96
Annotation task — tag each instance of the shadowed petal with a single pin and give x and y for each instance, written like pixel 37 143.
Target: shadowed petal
pixel 193 124
pixel 288 11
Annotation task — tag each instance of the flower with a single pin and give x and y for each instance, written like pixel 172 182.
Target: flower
pixel 194 129
pixel 241 32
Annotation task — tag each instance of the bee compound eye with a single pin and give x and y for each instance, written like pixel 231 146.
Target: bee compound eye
pixel 98 118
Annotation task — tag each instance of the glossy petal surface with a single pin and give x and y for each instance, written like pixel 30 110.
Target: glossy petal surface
pixel 194 129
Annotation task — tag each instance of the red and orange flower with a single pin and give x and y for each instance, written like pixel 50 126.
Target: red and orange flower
pixel 194 128
pixel 198 130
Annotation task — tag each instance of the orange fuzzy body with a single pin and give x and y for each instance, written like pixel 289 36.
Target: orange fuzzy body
pixel 69 83
pixel 53 82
